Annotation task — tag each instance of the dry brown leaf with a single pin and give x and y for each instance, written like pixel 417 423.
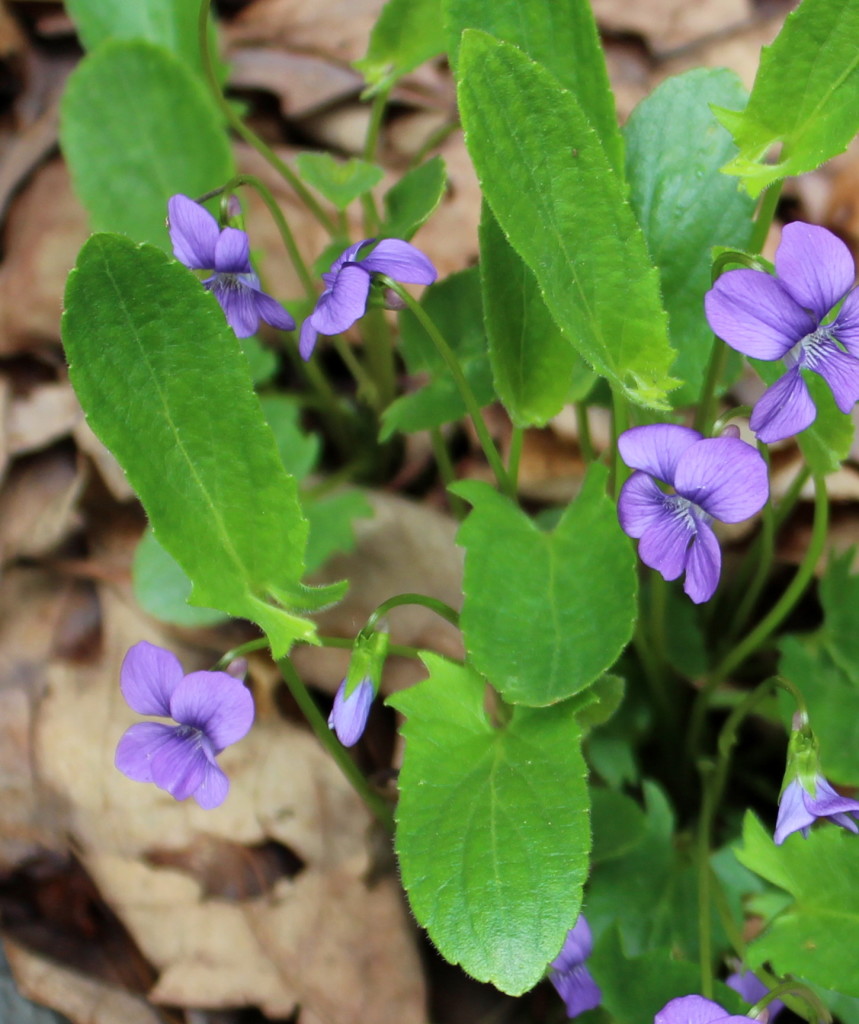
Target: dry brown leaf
pixel 108 468
pixel 303 83
pixel 275 951
pixel 47 413
pixel 39 503
pixel 82 1000
pixel 667 24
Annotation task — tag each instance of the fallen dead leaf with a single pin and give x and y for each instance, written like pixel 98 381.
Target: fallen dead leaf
pixel 44 415
pixel 303 83
pixel 108 468
pixel 667 24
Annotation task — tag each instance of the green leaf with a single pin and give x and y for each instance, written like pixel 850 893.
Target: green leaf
pixel 617 822
pixel 545 614
pixel 606 696
pixel 685 206
pixel 339 181
pixel 492 826
pixel 299 452
pixel 563 37
pixel 805 96
pixel 552 189
pixel 410 202
pixel 817 936
pixel 261 360
pixel 839 595
pixel 162 588
pixel 535 367
pixel 454 306
pixel 407 33
pixel 137 127
pixel 187 428
pixel 331 522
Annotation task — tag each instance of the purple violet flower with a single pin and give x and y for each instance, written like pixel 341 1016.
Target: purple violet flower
pixel 200 244
pixel 799 807
pixel 783 317
pixel 752 989
pixel 696 1010
pixel 349 715
pixel 212 709
pixel 568 973
pixel 347 285
pixel 713 478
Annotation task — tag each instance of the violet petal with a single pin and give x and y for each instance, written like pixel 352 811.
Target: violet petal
pixel 179 765
pixel 215 703
pixel 703 565
pixel 640 504
pixel 344 302
pixel 724 476
pixel 793 815
pixel 233 252
pixel 213 790
pixel 665 544
pixel 657 448
pixel 578 946
pixel 238 303
pixel 693 1010
pixel 752 989
pixel 827 801
pixel 784 409
pixel 307 340
pixel 578 990
pixel 272 312
pixel 148 677
pixel 193 231
pixel 845 326
pixel 400 261
pixel 751 312
pixel 814 266
pixel 138 745
pixel 349 255
pixel 349 715
pixel 839 370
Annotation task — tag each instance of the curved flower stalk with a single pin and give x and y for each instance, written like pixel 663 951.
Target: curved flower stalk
pixel 211 709
pixel 752 989
pixel 787 317
pixel 569 973
pixel 200 244
pixel 716 478
pixel 347 285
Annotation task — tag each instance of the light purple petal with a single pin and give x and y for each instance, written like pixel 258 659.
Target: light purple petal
pixel 233 252
pixel 348 716
pixel 838 369
pixel 148 677
pixel 179 766
pixel 703 565
pixel 724 476
pixel 401 262
pixel 827 802
pixel 272 312
pixel 784 409
pixel 845 326
pixel 238 302
pixel 138 746
pixel 349 255
pixel 752 989
pixel 814 266
pixel 693 1010
pixel 193 231
pixel 215 703
pixel 793 815
pixel 578 946
pixel 344 302
pixel 213 790
pixel 578 990
pixel 640 504
pixel 307 340
pixel 751 312
pixel 656 449
pixel 665 544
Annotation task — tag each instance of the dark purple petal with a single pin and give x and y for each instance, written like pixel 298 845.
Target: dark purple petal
pixel 349 255
pixel 751 312
pixel 238 302
pixel 193 231
pixel 213 790
pixel 845 327
pixel 640 503
pixel 344 302
pixel 401 262
pixel 233 252
pixel 215 703
pixel 814 266
pixel 272 312
pixel 724 476
pixel 665 544
pixel 148 677
pixel 578 946
pixel 138 746
pixel 578 989
pixel 348 716
pixel 703 565
pixel 307 340
pixel 179 766
pixel 838 369
pixel 826 802
pixel 695 1010
pixel 752 989
pixel 784 409
pixel 656 449
pixel 793 815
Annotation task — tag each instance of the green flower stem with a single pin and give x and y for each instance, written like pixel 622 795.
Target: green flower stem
pixel 798 998
pixel 259 644
pixel 366 385
pixel 401 650
pixel 236 123
pixel 371 143
pixel 515 455
pixel 791 496
pixel 619 423
pixel 764 219
pixel 433 603
pixel 586 445
pixel 471 403
pixel 326 737
pixel 705 948
pixel 458 507
pixel 376 332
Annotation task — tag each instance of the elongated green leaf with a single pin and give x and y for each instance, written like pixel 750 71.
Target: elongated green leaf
pixel 805 96
pixel 535 368
pixel 492 826
pixel 340 181
pixel 409 203
pixel 552 189
pixel 545 614
pixel 137 127
pixel 817 936
pixel 407 33
pixel 563 38
pixel 166 387
pixel 685 206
